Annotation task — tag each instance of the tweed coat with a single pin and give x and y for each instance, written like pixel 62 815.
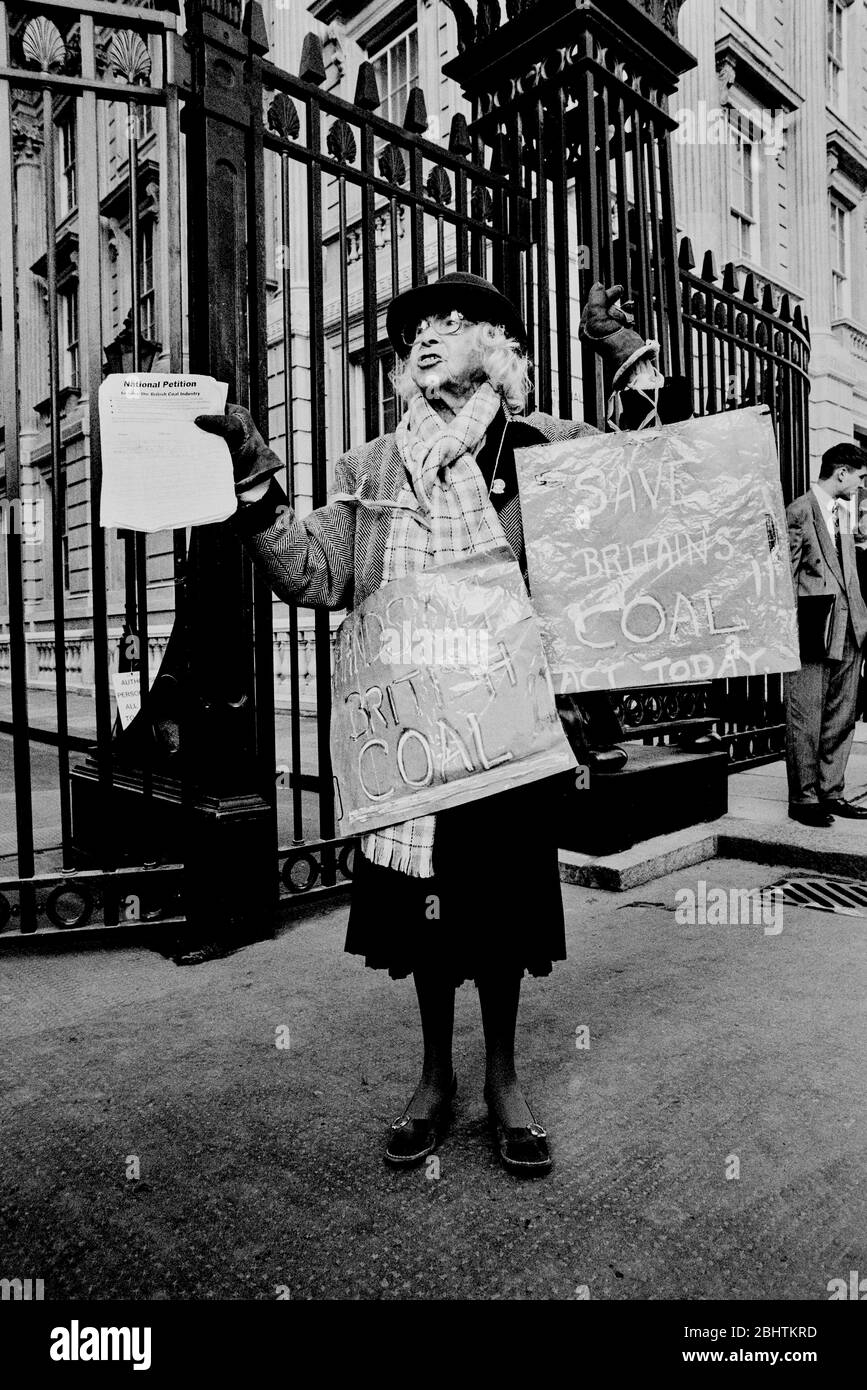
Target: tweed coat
pixel 333 558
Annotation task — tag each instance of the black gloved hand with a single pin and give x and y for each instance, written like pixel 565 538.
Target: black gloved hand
pixel 252 460
pixel 600 316
pixel 609 330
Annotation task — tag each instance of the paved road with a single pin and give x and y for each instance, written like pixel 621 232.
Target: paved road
pixel 46 800
pixel 260 1166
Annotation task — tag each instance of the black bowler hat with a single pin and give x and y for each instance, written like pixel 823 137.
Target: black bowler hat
pixel 476 298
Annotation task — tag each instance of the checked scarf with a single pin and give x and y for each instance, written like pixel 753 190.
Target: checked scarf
pixel 454 518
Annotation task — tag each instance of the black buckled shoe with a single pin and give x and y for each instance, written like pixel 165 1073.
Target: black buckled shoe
pixel 411 1141
pixel 523 1149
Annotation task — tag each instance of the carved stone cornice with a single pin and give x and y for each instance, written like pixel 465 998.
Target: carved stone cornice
pixel 749 64
pixel 66 260
pixel 726 71
pixel 845 152
pixel 26 138
pixel 115 203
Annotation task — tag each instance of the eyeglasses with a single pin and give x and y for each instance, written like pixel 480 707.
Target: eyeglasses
pixel 444 326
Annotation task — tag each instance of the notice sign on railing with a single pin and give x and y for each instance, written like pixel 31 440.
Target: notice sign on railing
pixel 441 694
pixel 660 556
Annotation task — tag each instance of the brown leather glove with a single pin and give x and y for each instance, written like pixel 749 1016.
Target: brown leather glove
pixel 252 460
pixel 609 330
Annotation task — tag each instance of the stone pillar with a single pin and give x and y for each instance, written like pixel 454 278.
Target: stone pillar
pixel 699 166
pixel 32 324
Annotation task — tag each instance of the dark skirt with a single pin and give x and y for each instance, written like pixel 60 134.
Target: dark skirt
pixel 493 904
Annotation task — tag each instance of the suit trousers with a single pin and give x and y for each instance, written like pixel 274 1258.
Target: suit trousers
pixel 821 706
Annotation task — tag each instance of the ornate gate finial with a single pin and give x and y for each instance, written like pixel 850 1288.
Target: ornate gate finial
pixel 128 57
pixel 43 45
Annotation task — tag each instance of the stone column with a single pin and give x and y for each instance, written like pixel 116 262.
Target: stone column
pixel 32 323
pixel 698 165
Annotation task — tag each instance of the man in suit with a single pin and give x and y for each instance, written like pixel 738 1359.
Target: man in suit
pixel 821 697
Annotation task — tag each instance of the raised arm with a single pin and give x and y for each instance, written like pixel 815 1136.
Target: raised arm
pixel 309 560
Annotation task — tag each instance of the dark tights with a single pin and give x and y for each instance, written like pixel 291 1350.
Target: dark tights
pixel 499 995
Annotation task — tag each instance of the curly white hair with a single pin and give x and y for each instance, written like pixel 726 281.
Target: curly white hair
pixel 504 365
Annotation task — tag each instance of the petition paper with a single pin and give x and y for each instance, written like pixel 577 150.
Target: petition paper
pixel 159 470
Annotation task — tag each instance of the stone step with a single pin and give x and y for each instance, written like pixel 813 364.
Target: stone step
pixel 661 789
pixel 841 849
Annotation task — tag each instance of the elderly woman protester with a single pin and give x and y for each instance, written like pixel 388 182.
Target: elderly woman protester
pixel 491 865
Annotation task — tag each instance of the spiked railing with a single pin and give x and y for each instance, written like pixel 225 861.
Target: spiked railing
pixel 741 348
pixel 577 99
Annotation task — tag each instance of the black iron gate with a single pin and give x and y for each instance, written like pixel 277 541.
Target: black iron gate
pixel 74 228
pixel 304 214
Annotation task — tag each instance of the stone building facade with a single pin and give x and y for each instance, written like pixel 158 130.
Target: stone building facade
pixel 771 170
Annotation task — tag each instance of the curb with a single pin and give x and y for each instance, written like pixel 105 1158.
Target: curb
pixel 728 838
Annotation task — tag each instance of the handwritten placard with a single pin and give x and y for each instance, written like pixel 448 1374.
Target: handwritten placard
pixel 660 556
pixel 441 695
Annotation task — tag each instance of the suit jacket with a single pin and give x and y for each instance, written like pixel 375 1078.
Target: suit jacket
pixel 817 570
pixel 333 558
pixel 861 557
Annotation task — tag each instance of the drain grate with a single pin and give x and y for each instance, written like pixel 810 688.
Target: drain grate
pixel 844 895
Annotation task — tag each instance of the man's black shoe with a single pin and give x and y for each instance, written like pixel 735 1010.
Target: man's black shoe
pixel 812 814
pixel 611 758
pixel 839 807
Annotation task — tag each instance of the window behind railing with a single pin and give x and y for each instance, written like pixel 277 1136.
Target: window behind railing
pixel 66 163
pixel 834 30
pixel 839 259
pixel 744 193
pixel 70 370
pixel 396 71
pixel 147 292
